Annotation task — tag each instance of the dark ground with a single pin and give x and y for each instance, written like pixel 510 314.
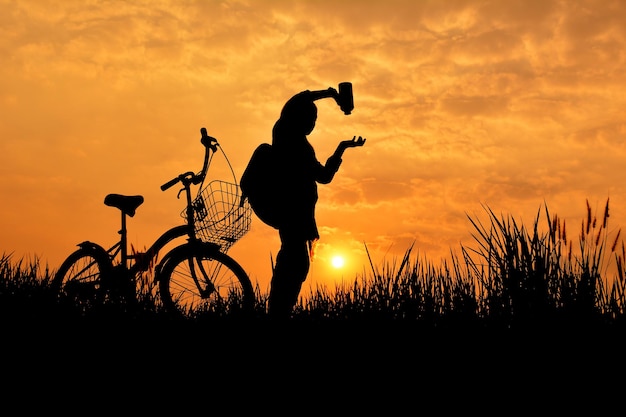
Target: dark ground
pixel 309 368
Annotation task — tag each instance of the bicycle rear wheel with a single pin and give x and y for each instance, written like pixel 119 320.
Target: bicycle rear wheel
pixel 79 278
pixel 195 281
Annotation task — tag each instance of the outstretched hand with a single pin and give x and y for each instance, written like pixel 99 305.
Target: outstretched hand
pixel 354 142
pixel 345 144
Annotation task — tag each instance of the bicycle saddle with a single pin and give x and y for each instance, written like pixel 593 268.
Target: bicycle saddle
pixel 127 203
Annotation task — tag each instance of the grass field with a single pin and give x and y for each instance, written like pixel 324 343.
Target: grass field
pixel 526 319
pixel 514 277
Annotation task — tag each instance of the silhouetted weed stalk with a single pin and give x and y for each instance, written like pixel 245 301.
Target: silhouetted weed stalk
pixel 514 275
pixel 530 275
pixel 24 289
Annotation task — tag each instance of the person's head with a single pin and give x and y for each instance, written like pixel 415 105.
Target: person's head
pixel 300 113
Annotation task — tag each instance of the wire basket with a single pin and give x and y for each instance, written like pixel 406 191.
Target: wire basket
pixel 218 215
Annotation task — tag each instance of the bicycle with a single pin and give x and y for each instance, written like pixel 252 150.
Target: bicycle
pixel 194 277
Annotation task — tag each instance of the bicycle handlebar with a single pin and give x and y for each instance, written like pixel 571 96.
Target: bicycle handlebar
pixel 176 180
pixel 210 144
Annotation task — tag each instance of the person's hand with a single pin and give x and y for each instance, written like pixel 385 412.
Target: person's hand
pixel 354 142
pixel 345 144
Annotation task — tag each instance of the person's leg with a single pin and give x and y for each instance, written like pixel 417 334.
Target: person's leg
pixel 290 271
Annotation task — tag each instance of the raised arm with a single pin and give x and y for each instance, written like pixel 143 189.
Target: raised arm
pixel 329 92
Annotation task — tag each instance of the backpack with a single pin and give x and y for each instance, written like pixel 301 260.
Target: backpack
pixel 260 185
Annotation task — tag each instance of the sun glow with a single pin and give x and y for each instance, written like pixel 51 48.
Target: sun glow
pixel 337 261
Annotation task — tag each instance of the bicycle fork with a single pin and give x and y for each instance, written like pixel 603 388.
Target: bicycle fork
pixel 204 290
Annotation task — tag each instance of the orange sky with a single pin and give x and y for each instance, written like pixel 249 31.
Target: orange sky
pixel 505 103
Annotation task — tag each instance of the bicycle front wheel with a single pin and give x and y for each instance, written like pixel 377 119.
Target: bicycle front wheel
pixel 79 278
pixel 195 281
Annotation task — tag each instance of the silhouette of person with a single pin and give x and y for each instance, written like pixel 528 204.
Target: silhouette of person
pixel 300 172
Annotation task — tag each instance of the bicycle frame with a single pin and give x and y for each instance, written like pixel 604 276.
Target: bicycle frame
pixel 142 260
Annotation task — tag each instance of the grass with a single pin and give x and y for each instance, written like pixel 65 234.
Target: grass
pixel 519 305
pixel 514 276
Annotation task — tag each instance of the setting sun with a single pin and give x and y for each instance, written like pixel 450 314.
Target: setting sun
pixel 338 261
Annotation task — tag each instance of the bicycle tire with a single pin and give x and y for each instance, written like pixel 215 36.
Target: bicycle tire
pixel 79 278
pixel 228 291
